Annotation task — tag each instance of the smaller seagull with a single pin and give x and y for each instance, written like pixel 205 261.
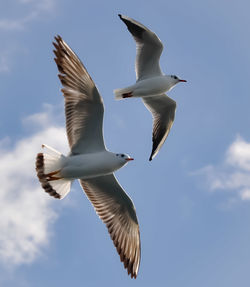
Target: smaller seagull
pixel 151 84
pixel 89 160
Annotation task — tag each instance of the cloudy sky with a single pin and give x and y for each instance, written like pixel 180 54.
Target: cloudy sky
pixel 192 200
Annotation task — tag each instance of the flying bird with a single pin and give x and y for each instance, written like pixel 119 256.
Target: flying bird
pixel 89 160
pixel 151 84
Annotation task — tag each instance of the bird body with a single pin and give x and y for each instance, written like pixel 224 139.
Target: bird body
pixel 89 160
pixel 153 86
pixel 91 165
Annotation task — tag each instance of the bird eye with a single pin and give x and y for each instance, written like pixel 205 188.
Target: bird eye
pixel 175 77
pixel 122 155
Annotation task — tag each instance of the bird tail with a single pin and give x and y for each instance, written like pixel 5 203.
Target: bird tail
pixel 123 93
pixel 48 167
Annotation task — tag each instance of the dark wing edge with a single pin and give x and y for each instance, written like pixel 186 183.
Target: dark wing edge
pixel 117 211
pixel 82 99
pixel 135 28
pixel 148 49
pixel 163 114
pixel 72 72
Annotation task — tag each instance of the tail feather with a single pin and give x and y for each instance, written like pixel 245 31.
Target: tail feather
pixel 48 172
pixel 52 159
pixel 119 93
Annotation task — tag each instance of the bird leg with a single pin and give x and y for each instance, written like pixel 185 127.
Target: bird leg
pixel 50 176
pixel 127 95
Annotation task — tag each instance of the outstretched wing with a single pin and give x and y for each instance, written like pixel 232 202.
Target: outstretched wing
pixel 117 211
pixel 148 49
pixel 83 104
pixel 163 112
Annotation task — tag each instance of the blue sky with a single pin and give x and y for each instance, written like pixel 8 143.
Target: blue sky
pixel 192 200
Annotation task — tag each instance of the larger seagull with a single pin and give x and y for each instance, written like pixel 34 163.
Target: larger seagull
pixel 151 84
pixel 89 160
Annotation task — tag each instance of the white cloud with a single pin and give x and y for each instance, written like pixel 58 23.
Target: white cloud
pixel 28 11
pixel 238 154
pixel 233 174
pixel 44 119
pixel 36 9
pixel 26 212
pixel 245 194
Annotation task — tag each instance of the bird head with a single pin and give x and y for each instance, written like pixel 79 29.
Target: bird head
pixel 175 80
pixel 124 157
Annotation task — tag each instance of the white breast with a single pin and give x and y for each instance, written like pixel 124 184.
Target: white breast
pixel 152 86
pixel 90 165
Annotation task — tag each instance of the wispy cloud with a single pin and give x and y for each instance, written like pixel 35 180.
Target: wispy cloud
pixel 28 11
pixel 8 57
pixel 35 10
pixel 26 212
pixel 40 4
pixel 4 62
pixel 233 174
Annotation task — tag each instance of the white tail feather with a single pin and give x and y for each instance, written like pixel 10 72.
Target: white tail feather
pixel 61 186
pixel 51 150
pixel 53 159
pixel 52 162
pixel 120 92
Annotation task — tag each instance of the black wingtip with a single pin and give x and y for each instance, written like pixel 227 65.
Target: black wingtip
pixel 152 155
pixel 58 38
pixel 120 15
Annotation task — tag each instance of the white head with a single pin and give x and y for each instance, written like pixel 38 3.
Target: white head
pixel 123 158
pixel 175 80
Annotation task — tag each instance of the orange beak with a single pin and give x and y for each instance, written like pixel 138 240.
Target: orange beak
pixel 128 159
pixel 182 81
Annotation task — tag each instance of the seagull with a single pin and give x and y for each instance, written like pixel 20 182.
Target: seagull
pixel 151 84
pixel 89 160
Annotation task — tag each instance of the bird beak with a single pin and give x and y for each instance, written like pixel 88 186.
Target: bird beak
pixel 182 81
pixel 128 159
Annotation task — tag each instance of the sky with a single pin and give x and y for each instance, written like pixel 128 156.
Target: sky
pixel 192 200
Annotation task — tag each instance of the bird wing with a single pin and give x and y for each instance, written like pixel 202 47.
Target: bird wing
pixel 117 211
pixel 83 104
pixel 163 112
pixel 148 49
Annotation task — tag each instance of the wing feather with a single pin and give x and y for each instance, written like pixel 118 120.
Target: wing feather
pixel 83 104
pixel 163 112
pixel 148 49
pixel 117 211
